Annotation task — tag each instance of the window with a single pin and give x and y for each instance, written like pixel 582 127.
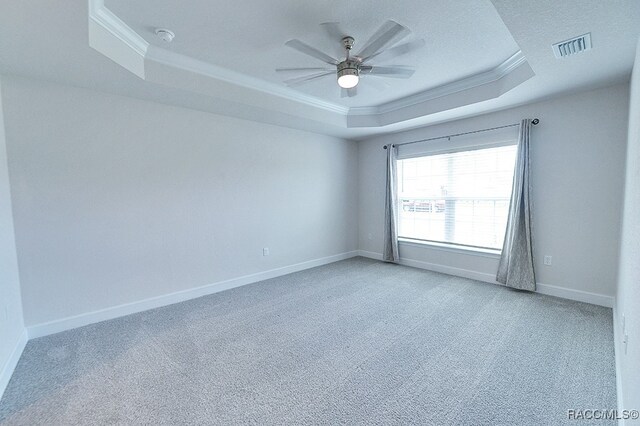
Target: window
pixel 459 198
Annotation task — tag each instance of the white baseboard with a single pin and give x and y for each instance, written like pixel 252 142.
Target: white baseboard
pixel 550 290
pixel 617 344
pixel 450 270
pixel 577 295
pixel 370 254
pixel 83 319
pixel 12 362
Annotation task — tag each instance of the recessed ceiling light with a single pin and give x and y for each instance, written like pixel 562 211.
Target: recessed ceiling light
pixel 165 35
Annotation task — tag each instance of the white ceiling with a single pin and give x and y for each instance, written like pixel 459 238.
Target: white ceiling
pixel 462 38
pixel 49 40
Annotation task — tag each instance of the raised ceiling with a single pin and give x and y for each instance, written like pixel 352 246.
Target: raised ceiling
pixel 479 55
pixel 463 38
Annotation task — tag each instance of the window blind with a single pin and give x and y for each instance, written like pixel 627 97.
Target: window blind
pixel 459 198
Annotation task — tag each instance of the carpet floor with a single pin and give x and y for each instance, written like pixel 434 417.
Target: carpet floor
pixel 353 342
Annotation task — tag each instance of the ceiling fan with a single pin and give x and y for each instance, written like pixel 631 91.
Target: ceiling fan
pixel 350 69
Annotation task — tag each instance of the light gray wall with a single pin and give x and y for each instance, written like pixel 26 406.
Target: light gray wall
pixel 628 291
pixel 11 323
pixel 577 155
pixel 118 200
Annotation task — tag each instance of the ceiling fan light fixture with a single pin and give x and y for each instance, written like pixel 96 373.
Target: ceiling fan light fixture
pixel 348 74
pixel 348 81
pixel 348 70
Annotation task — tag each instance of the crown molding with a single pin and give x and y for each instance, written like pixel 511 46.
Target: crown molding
pixel 477 88
pixel 112 37
pixel 102 16
pixel 187 63
pixel 463 84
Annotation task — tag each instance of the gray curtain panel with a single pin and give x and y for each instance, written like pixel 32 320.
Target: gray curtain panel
pixel 390 252
pixel 516 263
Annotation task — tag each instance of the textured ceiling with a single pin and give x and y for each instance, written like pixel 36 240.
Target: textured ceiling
pixel 48 40
pixel 614 26
pixel 462 38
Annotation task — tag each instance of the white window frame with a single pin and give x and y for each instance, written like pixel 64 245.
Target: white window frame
pixel 492 139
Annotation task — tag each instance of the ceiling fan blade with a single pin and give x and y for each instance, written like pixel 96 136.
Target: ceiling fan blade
pixel 301 80
pixel 291 70
pixel 389 31
pixel 334 31
pixel 393 71
pixel 311 51
pixel 398 50
pixel 349 93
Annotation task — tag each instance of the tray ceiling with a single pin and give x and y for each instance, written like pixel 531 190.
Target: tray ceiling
pixel 463 38
pixel 479 55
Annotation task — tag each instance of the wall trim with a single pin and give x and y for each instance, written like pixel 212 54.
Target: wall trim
pixel 187 63
pixel 63 324
pixel 480 87
pixel 112 37
pixel 577 295
pixel 463 84
pixel 12 362
pixel 617 345
pixel 370 254
pixel 450 270
pixel 547 289
pixel 104 17
pixel 107 19
pixel 444 269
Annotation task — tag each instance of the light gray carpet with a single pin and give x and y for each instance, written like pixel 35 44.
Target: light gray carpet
pixel 354 342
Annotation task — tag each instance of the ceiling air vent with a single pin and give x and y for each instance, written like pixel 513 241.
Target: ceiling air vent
pixel 572 46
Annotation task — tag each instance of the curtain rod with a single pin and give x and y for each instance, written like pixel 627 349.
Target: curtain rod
pixel 534 122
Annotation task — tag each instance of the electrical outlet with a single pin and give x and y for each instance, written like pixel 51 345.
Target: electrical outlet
pixel 265 251
pixel 547 260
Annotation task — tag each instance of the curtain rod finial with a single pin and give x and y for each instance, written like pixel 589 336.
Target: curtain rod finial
pixel 535 121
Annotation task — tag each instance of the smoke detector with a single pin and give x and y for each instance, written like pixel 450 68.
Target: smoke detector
pixel 165 35
pixel 572 46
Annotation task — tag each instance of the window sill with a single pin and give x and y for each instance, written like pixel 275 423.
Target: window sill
pixel 473 251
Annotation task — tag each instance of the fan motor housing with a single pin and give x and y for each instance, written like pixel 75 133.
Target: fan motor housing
pixel 348 67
